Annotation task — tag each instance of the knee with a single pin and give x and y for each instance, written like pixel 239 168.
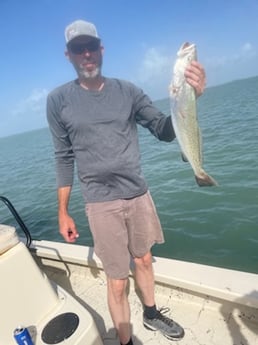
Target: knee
pixel 144 262
pixel 117 288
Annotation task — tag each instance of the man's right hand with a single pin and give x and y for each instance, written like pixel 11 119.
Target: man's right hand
pixel 67 228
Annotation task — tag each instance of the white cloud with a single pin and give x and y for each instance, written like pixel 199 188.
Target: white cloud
pixel 237 65
pixel 155 72
pixel 246 51
pixel 35 102
pixel 28 114
pixel 247 47
pixel 154 64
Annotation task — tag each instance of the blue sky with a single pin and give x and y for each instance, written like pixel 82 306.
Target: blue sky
pixel 141 38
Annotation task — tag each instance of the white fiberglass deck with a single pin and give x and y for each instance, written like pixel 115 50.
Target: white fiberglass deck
pixel 215 306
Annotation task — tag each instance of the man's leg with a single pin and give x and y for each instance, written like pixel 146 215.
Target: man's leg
pixel 145 278
pixel 153 319
pixel 107 222
pixel 119 308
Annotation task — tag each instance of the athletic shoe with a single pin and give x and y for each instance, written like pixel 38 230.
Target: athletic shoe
pixel 168 327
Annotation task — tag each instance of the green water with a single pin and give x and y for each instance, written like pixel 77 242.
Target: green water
pixel 216 226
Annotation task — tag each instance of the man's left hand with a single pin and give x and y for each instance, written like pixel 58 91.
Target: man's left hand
pixel 195 76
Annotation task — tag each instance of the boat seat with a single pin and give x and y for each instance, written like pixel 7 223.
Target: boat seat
pixel 30 300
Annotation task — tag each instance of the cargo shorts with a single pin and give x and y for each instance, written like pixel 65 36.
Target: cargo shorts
pixel 123 229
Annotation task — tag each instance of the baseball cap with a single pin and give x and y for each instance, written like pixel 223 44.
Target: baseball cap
pixel 80 28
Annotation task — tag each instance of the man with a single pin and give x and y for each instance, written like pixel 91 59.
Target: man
pixel 93 121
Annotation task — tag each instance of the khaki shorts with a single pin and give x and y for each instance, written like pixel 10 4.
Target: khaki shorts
pixel 122 229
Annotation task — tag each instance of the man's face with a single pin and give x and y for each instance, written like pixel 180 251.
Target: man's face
pixel 85 53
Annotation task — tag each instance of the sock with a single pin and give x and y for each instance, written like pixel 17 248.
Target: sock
pixel 150 312
pixel 130 342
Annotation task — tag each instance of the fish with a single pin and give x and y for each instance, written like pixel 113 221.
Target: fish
pixel 184 115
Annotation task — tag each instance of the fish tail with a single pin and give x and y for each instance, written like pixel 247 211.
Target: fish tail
pixel 205 180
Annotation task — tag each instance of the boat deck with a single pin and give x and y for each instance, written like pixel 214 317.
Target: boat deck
pixel 207 319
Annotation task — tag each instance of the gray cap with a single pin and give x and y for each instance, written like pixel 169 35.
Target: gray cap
pixel 80 28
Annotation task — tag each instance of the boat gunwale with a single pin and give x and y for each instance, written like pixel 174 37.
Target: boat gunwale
pixel 219 283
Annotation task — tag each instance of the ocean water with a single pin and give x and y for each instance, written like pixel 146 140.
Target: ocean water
pixel 214 225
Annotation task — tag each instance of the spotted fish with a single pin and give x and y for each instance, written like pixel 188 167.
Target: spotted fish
pixel 184 115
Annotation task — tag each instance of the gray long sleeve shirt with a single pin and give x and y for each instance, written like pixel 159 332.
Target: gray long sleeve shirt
pixel 98 131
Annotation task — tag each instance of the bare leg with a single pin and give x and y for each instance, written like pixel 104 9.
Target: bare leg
pixel 145 278
pixel 119 308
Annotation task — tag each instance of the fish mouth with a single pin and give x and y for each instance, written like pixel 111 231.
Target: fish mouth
pixel 186 48
pixel 186 45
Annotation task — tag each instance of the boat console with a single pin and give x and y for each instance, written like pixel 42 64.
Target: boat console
pixel 29 299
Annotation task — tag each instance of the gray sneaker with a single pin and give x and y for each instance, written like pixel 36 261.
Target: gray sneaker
pixel 169 328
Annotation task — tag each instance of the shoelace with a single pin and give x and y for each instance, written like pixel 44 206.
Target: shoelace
pixel 165 319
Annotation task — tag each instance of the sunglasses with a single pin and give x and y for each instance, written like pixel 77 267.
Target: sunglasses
pixel 80 48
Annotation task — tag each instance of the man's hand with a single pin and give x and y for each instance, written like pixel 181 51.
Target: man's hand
pixel 67 228
pixel 195 76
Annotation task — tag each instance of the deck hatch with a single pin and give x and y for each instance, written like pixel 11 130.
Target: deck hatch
pixel 60 328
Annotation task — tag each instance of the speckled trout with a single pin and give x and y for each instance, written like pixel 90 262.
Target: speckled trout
pixel 184 115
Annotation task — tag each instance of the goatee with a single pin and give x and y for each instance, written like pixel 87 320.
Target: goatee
pixel 89 75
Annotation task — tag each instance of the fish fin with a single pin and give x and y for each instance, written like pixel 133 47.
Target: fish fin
pixel 184 158
pixel 205 180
